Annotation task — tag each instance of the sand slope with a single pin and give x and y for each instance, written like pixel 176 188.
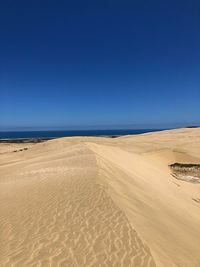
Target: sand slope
pixel 100 202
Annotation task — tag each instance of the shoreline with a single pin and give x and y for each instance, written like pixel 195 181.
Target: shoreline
pixel 24 140
pixel 47 135
pixel 44 139
pixel 95 133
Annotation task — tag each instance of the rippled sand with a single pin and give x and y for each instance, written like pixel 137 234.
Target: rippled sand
pixel 87 201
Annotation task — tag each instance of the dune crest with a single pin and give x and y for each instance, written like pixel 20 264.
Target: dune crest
pixel 100 202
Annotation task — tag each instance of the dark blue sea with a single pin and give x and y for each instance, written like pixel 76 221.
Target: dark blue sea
pixel 55 134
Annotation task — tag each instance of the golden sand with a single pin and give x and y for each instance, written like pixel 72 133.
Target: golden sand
pixel 91 202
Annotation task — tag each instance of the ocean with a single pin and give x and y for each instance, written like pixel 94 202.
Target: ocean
pixel 56 134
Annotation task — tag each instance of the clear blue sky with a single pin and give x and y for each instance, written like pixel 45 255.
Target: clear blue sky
pixel 99 64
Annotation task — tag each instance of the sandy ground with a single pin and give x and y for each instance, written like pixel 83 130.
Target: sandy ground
pixel 85 201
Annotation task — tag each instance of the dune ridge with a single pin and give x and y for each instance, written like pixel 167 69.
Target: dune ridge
pixel 87 201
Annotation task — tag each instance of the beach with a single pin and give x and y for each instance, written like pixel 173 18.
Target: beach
pixel 100 201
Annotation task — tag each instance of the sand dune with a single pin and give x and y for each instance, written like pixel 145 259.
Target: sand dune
pixel 87 201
